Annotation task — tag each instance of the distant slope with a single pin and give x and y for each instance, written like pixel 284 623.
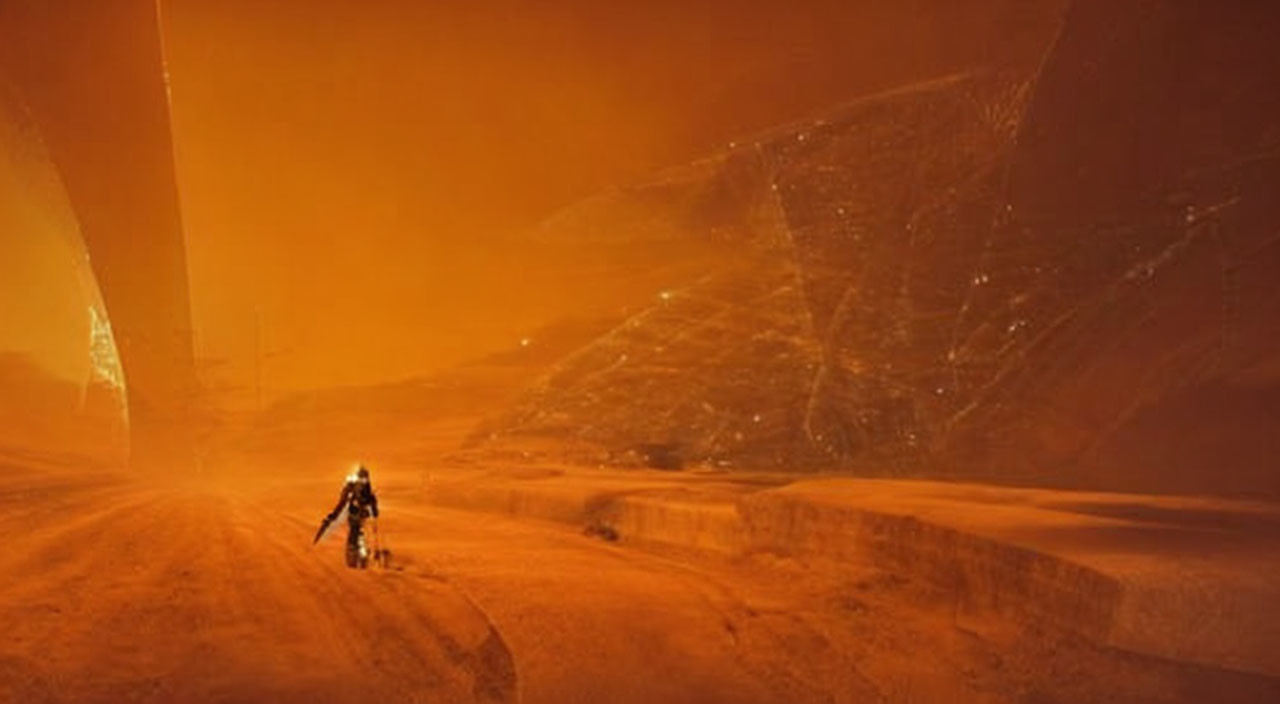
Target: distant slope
pixel 410 420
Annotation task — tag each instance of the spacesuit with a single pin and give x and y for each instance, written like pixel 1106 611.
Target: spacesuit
pixel 361 504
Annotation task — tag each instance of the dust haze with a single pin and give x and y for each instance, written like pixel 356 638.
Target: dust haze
pixel 741 352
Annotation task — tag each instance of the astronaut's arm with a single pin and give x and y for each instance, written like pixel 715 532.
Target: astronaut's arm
pixel 373 504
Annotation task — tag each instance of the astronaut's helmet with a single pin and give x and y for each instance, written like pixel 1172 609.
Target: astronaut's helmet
pixel 360 475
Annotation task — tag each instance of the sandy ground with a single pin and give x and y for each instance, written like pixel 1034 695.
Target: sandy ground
pixel 124 591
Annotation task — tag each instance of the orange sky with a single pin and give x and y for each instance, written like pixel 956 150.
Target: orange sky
pixel 345 166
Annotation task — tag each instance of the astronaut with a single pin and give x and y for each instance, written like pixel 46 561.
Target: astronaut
pixel 361 505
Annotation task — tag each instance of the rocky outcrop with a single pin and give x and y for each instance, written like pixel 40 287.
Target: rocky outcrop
pixel 744 365
pixel 1184 579
pixel 62 391
pixel 93 80
pixel 1062 274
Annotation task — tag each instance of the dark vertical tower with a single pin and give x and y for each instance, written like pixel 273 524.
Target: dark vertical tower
pixel 92 74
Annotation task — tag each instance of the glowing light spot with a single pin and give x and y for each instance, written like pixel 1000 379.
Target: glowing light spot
pixel 103 358
pixel 525 342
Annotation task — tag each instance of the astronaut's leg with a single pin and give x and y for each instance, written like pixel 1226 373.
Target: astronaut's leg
pixel 357 546
pixel 362 551
pixel 354 541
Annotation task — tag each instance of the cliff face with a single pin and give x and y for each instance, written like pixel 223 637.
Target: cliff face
pixel 92 77
pixel 1063 274
pixel 62 391
pixel 838 241
pixel 1137 258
